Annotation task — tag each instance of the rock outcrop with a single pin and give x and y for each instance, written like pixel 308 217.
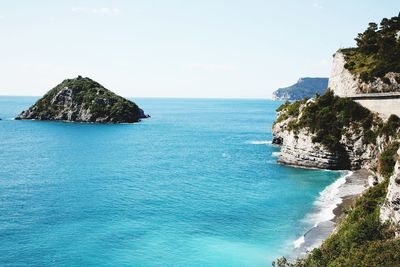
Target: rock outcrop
pixel 345 84
pixel 304 87
pixel 83 100
pixel 390 210
pixel 299 149
pixel 341 81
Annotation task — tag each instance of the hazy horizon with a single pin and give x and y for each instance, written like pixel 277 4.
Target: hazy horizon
pixel 179 49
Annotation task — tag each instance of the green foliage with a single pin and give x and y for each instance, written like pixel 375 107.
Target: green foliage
pixel 387 159
pixel 377 51
pixel 361 239
pixel 329 115
pixel 391 127
pixel 290 110
pixel 370 137
pixel 284 106
pixel 87 94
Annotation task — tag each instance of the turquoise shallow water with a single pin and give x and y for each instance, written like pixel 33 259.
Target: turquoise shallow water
pixel 188 187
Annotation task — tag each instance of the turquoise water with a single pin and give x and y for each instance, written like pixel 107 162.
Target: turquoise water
pixel 189 187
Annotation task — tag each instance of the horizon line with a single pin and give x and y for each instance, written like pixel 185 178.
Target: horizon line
pixel 167 97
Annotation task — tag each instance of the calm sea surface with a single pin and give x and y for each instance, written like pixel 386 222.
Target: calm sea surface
pixel 195 185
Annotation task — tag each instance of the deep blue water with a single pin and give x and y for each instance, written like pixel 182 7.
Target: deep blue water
pixel 185 188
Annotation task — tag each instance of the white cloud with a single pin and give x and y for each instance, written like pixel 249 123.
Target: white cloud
pixel 317 4
pixel 212 67
pixel 100 10
pixel 106 10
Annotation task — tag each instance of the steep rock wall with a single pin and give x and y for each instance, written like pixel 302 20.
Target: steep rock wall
pixel 298 149
pixel 345 84
pixel 390 210
pixel 341 81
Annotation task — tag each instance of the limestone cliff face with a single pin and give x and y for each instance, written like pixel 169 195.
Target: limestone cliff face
pixel 298 149
pixel 83 100
pixel 390 210
pixel 341 81
pixel 344 84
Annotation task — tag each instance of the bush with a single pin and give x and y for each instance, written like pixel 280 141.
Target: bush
pixel 329 115
pixel 377 51
pixel 391 127
pixel 387 159
pixel 289 110
pixel 361 240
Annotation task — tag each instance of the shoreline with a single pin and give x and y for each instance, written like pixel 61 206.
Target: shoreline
pixel 343 192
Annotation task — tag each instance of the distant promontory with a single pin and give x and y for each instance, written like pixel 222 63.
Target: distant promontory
pixel 83 100
pixel 304 87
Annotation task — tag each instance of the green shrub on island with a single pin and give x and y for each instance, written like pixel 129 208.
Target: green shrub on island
pixel 361 239
pixel 84 100
pixel 377 51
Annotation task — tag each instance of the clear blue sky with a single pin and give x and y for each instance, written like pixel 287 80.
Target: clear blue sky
pixel 177 48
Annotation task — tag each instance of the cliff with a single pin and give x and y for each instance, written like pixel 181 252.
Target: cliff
pixel 304 87
pixel 327 132
pixel 334 132
pixel 83 100
pixel 346 84
pixel 331 132
pixel 390 210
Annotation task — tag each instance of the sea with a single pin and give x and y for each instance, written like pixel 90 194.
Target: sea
pixel 197 184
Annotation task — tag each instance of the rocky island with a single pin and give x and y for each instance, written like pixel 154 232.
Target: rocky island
pixel 354 125
pixel 83 100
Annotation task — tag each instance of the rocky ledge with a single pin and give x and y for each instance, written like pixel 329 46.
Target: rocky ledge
pixel 83 100
pixel 328 132
pixel 345 84
pixel 299 149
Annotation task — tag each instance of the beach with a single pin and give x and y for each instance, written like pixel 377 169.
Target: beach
pixel 329 209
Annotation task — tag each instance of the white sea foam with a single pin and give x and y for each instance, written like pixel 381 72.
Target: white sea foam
pixel 297 243
pixel 276 154
pixel 328 200
pixel 325 204
pixel 260 142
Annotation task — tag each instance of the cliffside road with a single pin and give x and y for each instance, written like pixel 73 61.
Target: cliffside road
pixel 385 104
pixel 389 95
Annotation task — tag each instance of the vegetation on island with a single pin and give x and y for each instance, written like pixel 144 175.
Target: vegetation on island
pixel 74 95
pixel 377 51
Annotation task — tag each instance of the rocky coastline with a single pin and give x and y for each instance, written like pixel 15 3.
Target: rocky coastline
pixel 335 132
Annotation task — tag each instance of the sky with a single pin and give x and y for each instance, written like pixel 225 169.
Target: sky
pixel 177 48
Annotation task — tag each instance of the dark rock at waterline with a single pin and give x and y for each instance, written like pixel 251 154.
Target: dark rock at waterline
pixel 83 100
